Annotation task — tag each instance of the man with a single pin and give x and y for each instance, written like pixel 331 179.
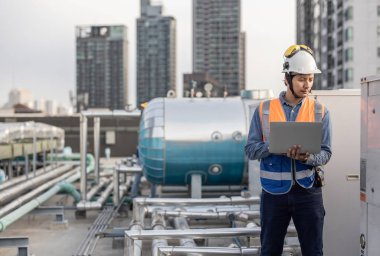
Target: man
pixel 288 181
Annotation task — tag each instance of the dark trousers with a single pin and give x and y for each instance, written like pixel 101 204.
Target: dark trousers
pixel 305 206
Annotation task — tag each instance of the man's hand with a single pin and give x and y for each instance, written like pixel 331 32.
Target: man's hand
pixel 295 153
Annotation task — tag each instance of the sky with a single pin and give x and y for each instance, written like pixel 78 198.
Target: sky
pixel 37 41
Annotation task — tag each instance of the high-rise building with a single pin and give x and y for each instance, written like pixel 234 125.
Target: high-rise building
pixel 156 53
pixel 349 44
pixel 218 43
pixel 19 96
pixel 101 67
pixel 309 21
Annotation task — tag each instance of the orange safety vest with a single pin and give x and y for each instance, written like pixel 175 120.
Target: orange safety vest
pixel 276 172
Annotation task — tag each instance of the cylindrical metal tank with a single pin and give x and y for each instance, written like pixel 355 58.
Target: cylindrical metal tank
pixel 181 137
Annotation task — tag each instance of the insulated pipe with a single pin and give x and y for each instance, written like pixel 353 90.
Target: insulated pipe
pixel 180 223
pixel 85 205
pixel 83 153
pixel 96 188
pixel 139 202
pixel 96 147
pixel 158 223
pixel 206 251
pixel 20 179
pixel 216 251
pixel 34 151
pixel 134 247
pixel 240 215
pixel 116 177
pixel 9 194
pixel 26 208
pixel 171 189
pixel 17 202
pixel 196 233
pixel 211 209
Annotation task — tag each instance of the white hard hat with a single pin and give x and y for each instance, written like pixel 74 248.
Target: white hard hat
pixel 301 62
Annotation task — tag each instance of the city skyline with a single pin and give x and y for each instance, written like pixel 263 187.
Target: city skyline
pixel 39 53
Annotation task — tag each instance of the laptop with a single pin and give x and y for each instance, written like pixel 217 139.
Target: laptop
pixel 284 135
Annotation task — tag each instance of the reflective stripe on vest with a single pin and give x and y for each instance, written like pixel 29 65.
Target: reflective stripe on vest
pixel 285 175
pixel 278 180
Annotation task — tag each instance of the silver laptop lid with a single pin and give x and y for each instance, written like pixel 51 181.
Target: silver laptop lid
pixel 284 135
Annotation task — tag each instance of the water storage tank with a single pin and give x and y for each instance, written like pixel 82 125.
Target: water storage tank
pixel 181 137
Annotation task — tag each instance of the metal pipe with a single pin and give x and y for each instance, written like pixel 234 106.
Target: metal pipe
pixel 96 188
pixel 216 251
pixel 26 157
pixel 20 179
pixel 200 208
pixel 240 215
pixel 191 201
pixel 205 251
pixel 139 202
pixel 180 223
pixel 9 194
pixel 10 171
pixel 83 153
pixel 26 208
pixel 158 223
pixel 85 205
pixel 116 177
pixel 118 113
pixel 17 202
pixel 196 186
pixel 133 247
pixel 116 187
pixel 195 233
pixel 96 147
pixel 34 151
pixel 234 188
pixel 105 194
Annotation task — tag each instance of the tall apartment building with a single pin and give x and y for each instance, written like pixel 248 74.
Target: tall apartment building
pixel 349 40
pixel 101 67
pixel 156 53
pixel 218 43
pixel 309 21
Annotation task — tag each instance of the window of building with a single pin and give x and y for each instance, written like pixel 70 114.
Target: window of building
pixel 348 34
pixel 329 79
pixel 340 19
pixel 330 25
pixel 330 43
pixel 340 57
pixel 348 75
pixel 378 51
pixel 339 4
pixel 330 62
pixel 378 71
pixel 330 7
pixel 340 38
pixel 378 30
pixel 378 10
pixel 340 76
pixel 348 54
pixel 349 13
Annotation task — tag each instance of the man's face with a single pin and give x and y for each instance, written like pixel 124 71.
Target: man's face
pixel 302 84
